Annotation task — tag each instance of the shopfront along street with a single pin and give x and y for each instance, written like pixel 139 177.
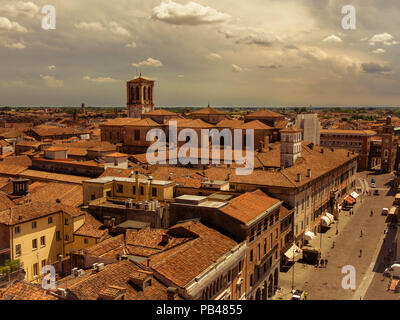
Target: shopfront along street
pixel 363 240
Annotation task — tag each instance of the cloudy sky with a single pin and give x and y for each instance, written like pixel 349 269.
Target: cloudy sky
pixel 228 52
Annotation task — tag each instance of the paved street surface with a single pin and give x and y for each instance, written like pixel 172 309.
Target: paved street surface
pixel 326 283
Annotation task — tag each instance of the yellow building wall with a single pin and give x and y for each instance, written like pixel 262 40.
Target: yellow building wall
pixel 48 252
pixel 163 192
pixel 79 243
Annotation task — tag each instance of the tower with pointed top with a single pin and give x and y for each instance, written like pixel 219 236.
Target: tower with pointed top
pixel 140 96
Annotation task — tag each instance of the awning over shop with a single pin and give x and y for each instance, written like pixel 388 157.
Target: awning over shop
pixel 393 210
pixel 355 195
pixel 397 197
pixel 293 252
pixel 309 235
pixel 349 199
pixel 330 216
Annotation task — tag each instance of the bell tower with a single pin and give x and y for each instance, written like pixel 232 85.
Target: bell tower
pixel 140 96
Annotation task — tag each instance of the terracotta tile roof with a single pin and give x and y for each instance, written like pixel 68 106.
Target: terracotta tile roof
pixel 160 112
pixel 119 122
pixel 22 290
pixel 91 228
pixel 227 123
pixel 264 114
pixel 3 143
pixel 106 246
pixel 189 123
pixel 6 155
pixel 27 143
pixel 23 161
pixel 284 211
pixel 10 170
pixel 117 155
pixel 34 210
pixel 87 144
pixel 327 161
pixel 281 124
pixel 57 131
pixel 152 239
pixel 348 132
pixel 82 152
pixel 5 202
pixel 115 172
pixel 51 176
pixel 146 122
pixel 70 195
pixel 248 206
pixel 208 110
pixel 255 124
pixel 186 261
pixel 117 274
pixel 4 181
pixel 56 149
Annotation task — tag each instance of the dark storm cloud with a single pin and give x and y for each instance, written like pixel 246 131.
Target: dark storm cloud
pixel 373 67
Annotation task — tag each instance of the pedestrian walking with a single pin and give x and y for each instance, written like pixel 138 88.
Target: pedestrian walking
pixel 361 234
pixel 305 295
pixel 322 263
pixel 372 213
pixel 360 253
pixel 326 263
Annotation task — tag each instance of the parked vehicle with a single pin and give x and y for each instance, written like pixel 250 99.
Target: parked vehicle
pixel 372 180
pixel 298 295
pixel 373 185
pixel 376 192
pixel 385 211
pixel 393 271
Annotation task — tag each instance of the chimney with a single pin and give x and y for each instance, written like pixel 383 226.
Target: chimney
pixel 20 186
pixel 165 239
pixel 299 177
pixel 142 279
pixel 172 293
pixel 309 173
pixel 137 185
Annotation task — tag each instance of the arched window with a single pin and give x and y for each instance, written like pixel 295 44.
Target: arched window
pixel 144 93
pixel 137 94
pixel 149 93
pixel 132 95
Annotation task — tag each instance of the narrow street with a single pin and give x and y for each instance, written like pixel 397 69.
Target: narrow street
pixel 326 283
